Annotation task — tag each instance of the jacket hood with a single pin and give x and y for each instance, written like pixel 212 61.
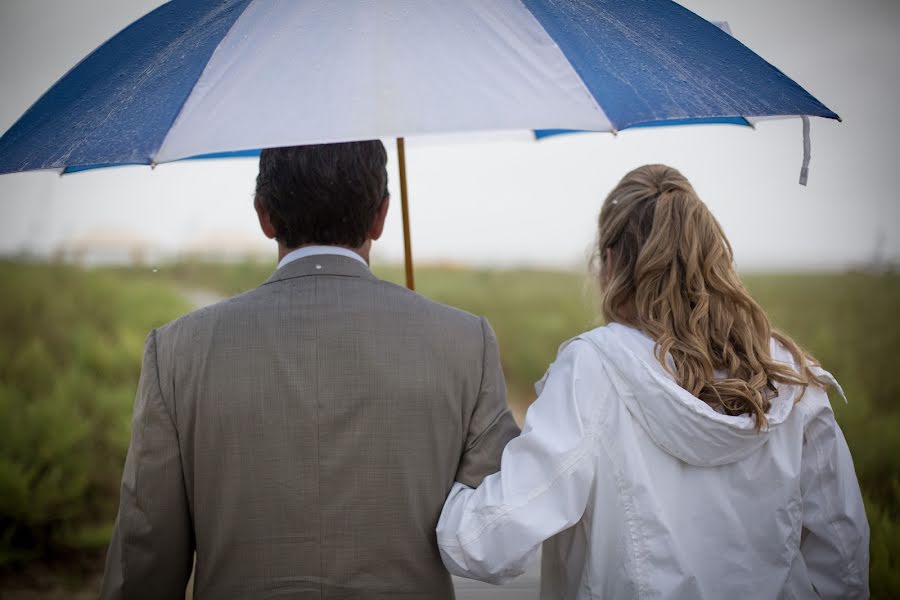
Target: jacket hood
pixel 677 421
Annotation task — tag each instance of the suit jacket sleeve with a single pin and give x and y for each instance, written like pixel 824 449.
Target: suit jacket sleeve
pixel 492 425
pixel 152 547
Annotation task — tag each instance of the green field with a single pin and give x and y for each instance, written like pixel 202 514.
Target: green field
pixel 72 340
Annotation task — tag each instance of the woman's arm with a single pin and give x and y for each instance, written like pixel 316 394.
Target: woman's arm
pixel 490 533
pixel 835 541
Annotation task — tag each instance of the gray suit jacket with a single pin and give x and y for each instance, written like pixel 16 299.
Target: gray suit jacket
pixel 302 437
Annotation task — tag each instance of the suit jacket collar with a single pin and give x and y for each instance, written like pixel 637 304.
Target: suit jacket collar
pixel 333 265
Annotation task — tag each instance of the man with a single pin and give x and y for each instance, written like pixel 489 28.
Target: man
pixel 302 437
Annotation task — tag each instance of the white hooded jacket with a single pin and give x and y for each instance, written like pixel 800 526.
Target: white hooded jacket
pixel 644 491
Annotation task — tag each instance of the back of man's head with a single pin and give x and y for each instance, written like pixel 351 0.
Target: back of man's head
pixel 326 194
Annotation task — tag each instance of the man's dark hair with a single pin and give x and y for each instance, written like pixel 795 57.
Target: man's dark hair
pixel 323 194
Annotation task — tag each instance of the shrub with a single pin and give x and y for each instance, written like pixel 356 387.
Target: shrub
pixel 69 362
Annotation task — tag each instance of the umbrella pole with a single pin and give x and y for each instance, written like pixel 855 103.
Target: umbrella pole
pixel 404 207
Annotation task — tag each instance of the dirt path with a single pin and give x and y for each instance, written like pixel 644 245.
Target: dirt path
pixel 526 587
pixel 199 297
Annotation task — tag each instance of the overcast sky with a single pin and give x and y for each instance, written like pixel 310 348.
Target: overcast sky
pixel 506 199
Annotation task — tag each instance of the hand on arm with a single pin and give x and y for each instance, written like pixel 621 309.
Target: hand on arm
pixel 546 475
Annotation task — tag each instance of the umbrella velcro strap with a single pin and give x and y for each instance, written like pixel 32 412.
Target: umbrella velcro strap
pixel 804 170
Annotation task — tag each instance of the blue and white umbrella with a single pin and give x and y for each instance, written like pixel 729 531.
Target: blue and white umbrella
pixel 200 77
pixel 210 78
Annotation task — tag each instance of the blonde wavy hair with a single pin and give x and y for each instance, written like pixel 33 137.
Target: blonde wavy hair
pixel 667 269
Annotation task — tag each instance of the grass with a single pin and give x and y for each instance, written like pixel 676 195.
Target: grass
pixel 72 340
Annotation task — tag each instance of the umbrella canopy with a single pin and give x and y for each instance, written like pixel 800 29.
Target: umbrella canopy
pixel 222 78
pixel 201 77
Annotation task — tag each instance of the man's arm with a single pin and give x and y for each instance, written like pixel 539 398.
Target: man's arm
pixel 492 425
pixel 152 546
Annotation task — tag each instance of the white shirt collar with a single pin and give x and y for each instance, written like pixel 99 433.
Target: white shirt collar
pixel 317 250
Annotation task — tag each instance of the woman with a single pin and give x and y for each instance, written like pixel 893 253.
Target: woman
pixel 684 450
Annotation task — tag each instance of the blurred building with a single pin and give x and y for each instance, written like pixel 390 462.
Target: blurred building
pixel 109 247
pixel 226 245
